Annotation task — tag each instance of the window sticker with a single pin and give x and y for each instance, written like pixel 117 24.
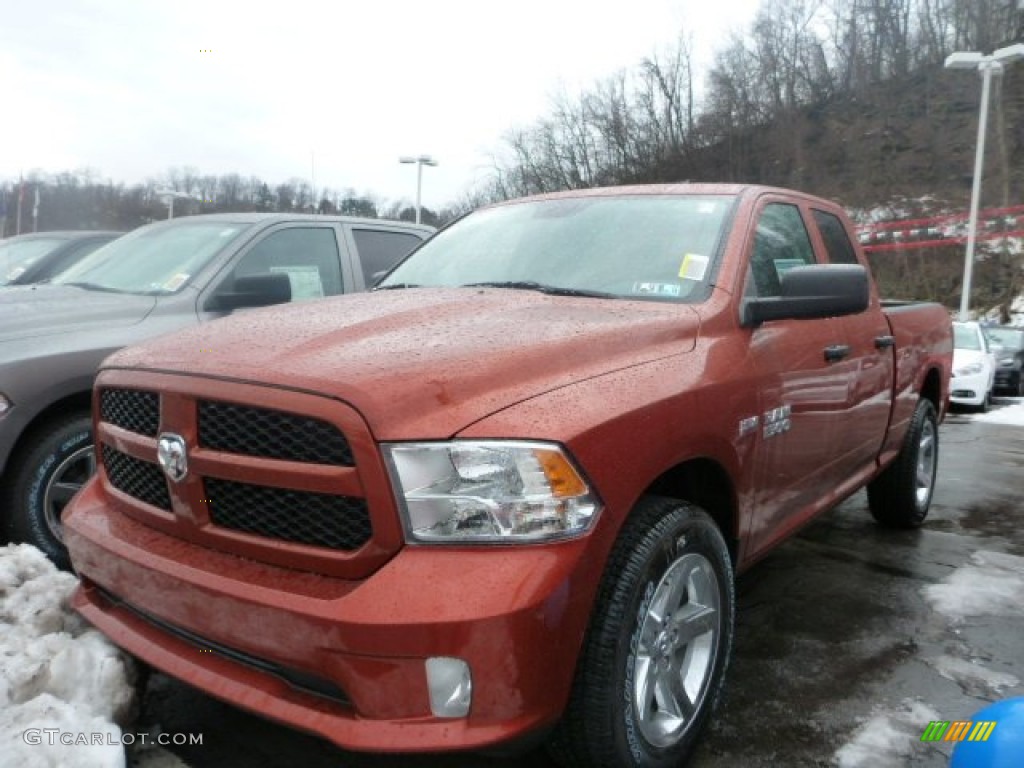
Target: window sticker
pixel 305 281
pixel 782 266
pixel 657 289
pixel 176 281
pixel 707 207
pixel 694 267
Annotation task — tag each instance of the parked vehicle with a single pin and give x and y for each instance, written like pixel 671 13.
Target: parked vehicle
pixel 1008 347
pixel 508 491
pixel 974 367
pixel 35 258
pixel 157 279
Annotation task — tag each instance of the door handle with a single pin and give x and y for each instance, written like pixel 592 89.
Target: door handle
pixel 836 352
pixel 884 342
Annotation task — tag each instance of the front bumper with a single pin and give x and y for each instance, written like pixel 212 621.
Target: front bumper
pixel 969 390
pixel 344 659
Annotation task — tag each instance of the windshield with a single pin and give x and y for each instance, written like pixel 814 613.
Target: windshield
pixel 966 337
pixel 16 257
pixel 157 259
pixel 652 247
pixel 1007 338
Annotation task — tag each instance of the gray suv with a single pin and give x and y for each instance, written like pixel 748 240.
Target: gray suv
pixel 157 279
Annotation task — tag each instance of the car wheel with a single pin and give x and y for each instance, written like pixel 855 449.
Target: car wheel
pixel 986 403
pixel 654 658
pixel 55 464
pixel 1020 383
pixel 901 495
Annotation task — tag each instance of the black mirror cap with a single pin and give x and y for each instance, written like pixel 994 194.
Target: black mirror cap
pixel 818 291
pixel 262 290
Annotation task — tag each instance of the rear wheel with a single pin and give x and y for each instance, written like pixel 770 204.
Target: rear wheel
pixel 901 495
pixel 55 464
pixel 656 652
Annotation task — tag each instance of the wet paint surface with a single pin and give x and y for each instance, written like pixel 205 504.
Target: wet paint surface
pixel 850 638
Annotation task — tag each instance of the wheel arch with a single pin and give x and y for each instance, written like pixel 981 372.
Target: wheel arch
pixel 706 483
pixel 71 403
pixel 931 389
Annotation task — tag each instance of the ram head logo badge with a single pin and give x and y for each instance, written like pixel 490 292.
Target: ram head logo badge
pixel 172 454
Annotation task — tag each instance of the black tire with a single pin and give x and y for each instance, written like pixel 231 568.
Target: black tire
pixel 56 460
pixel 985 403
pixel 1020 384
pixel 665 544
pixel 901 496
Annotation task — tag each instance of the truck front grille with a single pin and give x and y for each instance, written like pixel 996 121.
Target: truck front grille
pixel 271 434
pixel 131 409
pixel 137 478
pixel 301 517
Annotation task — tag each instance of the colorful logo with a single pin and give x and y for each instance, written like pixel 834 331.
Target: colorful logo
pixel 958 730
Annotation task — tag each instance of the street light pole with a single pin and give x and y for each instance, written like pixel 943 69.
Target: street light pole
pixel 986 66
pixel 420 162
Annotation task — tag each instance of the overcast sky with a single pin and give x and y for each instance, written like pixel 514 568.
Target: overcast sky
pixel 131 87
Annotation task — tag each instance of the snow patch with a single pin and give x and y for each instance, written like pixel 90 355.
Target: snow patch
pixel 992 584
pixel 973 677
pixel 887 738
pixel 1010 415
pixel 56 671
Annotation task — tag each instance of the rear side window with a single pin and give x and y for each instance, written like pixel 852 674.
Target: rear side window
pixel 780 243
pixel 837 243
pixel 380 251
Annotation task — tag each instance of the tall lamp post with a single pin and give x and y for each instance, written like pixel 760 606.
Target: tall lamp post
pixel 420 162
pixel 986 66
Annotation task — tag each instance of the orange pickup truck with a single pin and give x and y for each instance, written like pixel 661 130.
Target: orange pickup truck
pixel 505 495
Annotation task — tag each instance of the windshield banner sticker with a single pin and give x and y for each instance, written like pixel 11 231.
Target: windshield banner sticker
pixel 694 267
pixel 657 289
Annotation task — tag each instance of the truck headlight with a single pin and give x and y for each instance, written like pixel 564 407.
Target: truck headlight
pixel 968 370
pixel 489 491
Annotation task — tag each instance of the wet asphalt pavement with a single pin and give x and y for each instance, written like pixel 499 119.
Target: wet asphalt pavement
pixel 850 638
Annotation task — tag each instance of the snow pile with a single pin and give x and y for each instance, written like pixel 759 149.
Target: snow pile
pixel 992 584
pixel 56 672
pixel 888 738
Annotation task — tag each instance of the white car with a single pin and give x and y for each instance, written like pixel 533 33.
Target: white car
pixel 974 367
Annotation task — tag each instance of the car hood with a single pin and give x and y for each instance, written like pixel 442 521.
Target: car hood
pixel 426 363
pixel 41 310
pixel 962 357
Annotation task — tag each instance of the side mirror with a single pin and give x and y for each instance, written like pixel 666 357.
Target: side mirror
pixel 254 291
pixel 821 290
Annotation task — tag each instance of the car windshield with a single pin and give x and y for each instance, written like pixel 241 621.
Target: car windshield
pixel 157 259
pixel 18 256
pixel 1007 338
pixel 966 337
pixel 643 246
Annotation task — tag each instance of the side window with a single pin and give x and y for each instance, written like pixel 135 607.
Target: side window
pixel 379 250
pixel 780 243
pixel 837 242
pixel 309 256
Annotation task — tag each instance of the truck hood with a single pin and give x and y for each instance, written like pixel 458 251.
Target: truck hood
pixel 41 310
pixel 425 363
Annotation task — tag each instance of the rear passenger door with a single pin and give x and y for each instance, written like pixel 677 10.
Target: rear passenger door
pixel 869 364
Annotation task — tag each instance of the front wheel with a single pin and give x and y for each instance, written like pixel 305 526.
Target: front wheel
pixel 658 644
pixel 55 464
pixel 901 496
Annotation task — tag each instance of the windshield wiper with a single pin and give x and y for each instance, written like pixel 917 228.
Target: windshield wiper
pixel 97 287
pixel 396 286
pixel 551 290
